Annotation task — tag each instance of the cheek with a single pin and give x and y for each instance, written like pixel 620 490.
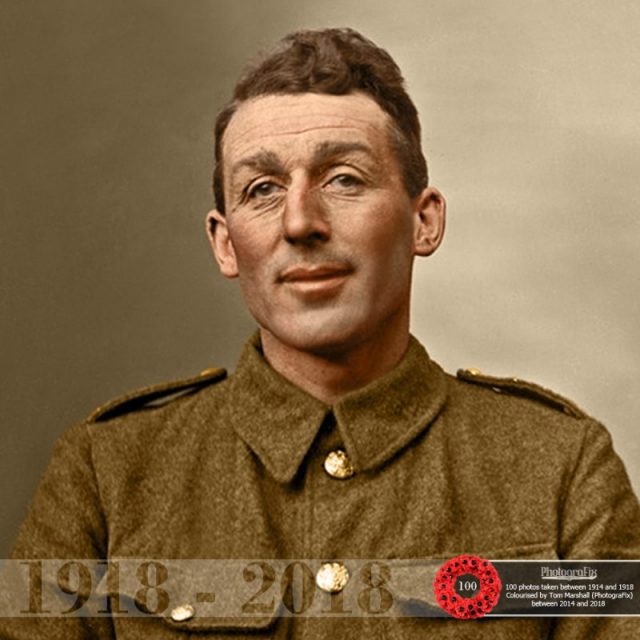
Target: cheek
pixel 250 248
pixel 253 250
pixel 390 242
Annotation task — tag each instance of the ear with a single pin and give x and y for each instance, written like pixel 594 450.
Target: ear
pixel 221 244
pixel 430 214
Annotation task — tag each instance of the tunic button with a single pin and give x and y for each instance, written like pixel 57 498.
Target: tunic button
pixel 182 613
pixel 332 577
pixel 338 465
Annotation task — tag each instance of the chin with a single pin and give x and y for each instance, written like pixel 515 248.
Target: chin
pixel 321 337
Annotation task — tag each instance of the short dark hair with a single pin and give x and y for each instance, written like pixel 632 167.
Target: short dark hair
pixel 336 62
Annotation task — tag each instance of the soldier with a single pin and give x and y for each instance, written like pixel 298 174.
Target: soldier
pixel 337 436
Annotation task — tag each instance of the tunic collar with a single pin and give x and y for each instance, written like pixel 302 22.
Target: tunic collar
pixel 279 421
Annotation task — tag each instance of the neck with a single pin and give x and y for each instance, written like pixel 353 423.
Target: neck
pixel 330 373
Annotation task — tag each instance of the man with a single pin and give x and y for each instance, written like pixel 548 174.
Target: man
pixel 337 437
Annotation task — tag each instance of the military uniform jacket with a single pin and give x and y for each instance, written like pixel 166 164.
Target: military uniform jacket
pixel 234 468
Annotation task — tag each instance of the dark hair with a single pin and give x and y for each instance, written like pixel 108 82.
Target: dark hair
pixel 337 62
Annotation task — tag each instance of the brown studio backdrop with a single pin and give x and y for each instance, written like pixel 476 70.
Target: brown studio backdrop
pixel 530 126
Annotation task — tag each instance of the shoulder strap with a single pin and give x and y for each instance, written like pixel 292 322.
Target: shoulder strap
pixel 524 389
pixel 147 395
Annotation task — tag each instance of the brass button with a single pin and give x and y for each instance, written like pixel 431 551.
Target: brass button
pixel 338 465
pixel 332 577
pixel 182 613
pixel 473 371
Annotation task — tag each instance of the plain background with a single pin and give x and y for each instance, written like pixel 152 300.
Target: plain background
pixel 531 127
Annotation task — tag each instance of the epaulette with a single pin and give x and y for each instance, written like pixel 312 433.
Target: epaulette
pixel 524 389
pixel 148 395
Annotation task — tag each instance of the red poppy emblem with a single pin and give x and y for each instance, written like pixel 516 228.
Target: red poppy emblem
pixel 467 587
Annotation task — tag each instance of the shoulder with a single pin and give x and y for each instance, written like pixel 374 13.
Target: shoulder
pixel 511 413
pixel 165 394
pixel 131 434
pixel 522 428
pixel 518 388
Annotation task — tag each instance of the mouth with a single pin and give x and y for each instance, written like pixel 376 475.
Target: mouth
pixel 313 273
pixel 316 279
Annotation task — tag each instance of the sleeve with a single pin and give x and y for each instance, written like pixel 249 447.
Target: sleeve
pixel 64 521
pixel 600 520
pixel 600 516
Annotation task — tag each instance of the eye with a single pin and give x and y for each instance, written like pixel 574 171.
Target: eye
pixel 346 182
pixel 263 189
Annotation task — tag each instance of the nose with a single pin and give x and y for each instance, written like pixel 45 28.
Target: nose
pixel 304 220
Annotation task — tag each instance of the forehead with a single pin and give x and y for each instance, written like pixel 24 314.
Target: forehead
pixel 285 119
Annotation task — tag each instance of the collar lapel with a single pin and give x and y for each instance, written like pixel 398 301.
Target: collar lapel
pixel 276 419
pixel 279 421
pixel 380 419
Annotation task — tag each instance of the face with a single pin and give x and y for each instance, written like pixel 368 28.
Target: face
pixel 318 226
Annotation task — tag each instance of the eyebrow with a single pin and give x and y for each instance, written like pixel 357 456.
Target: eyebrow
pixel 262 160
pixel 268 161
pixel 327 151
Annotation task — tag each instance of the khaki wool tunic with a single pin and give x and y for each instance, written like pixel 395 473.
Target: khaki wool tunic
pixel 234 469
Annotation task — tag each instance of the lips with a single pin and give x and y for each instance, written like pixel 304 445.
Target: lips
pixel 314 273
pixel 314 283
